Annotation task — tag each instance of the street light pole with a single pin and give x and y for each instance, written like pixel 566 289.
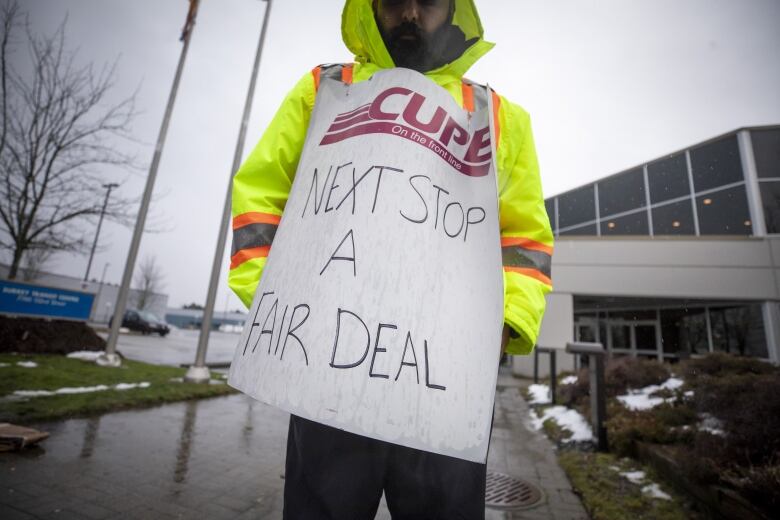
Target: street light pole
pixel 110 186
pixel 199 372
pixel 109 357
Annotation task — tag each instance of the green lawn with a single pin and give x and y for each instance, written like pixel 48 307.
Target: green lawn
pixel 55 372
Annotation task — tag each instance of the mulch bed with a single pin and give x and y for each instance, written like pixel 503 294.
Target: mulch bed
pixel 37 336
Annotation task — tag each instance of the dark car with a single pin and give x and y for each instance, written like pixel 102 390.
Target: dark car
pixel 144 322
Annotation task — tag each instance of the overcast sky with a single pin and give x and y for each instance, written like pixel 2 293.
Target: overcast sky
pixel 609 84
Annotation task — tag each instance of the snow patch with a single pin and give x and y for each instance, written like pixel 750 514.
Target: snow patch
pixel 540 394
pixel 86 355
pixel 4 365
pixel 569 380
pixel 654 490
pixel 27 364
pixel 641 399
pixel 79 389
pixel 567 419
pixel 636 477
pixel 711 424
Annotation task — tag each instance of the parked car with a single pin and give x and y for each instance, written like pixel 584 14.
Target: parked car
pixel 143 322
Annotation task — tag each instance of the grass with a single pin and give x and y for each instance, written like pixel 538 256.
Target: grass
pixel 54 371
pixel 609 496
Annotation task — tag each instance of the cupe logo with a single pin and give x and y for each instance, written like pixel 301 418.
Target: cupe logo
pixel 469 154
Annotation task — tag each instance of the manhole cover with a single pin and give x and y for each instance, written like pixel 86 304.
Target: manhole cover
pixel 505 492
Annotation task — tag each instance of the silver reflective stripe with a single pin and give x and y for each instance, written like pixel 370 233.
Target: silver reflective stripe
pixel 331 71
pixel 480 92
pixel 516 256
pixel 253 235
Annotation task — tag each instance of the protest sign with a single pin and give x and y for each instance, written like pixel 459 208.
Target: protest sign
pixel 380 307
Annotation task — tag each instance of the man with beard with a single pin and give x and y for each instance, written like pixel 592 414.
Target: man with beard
pixel 335 474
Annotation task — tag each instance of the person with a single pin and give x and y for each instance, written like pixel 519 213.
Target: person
pixel 335 474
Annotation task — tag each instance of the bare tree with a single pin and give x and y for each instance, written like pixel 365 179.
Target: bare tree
pixel 58 128
pixel 33 261
pixel 148 281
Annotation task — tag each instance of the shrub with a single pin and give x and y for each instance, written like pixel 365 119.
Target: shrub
pixel 620 374
pixel 664 424
pixel 719 364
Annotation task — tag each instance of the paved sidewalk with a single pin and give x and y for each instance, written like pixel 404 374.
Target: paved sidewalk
pixel 219 458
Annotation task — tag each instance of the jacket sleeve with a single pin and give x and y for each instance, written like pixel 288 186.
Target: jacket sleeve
pixel 526 236
pixel 261 187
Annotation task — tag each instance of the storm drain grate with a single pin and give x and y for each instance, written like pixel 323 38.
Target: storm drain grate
pixel 505 492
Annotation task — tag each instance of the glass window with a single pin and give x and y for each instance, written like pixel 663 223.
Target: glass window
pixel 644 335
pixel 738 330
pixel 684 331
pixel 770 198
pixel 633 315
pixel 621 336
pixel 668 178
pixel 588 230
pixel 549 205
pixel 724 212
pixel 576 207
pixel 674 219
pixel 634 224
pixel 623 192
pixel 716 164
pixel 766 150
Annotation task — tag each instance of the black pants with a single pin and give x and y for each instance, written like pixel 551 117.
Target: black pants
pixel 332 474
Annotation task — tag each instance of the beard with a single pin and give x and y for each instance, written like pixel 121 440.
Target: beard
pixel 412 49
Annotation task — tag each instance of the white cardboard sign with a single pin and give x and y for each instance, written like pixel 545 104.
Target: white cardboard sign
pixel 380 308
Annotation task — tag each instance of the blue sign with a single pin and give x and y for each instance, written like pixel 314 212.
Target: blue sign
pixel 35 300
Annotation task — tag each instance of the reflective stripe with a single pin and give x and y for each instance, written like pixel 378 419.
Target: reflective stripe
pixel 532 273
pixel 496 122
pixel 255 217
pixel 527 258
pixel 315 72
pixel 346 74
pixel 252 236
pixel 526 243
pixel 468 96
pixel 248 254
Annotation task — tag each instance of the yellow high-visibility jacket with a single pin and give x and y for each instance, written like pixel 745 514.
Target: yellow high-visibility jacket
pixel 262 184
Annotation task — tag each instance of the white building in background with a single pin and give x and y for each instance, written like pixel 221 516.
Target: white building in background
pixel 676 257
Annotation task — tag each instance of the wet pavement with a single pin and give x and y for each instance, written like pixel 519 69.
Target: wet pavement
pixel 177 348
pixel 221 458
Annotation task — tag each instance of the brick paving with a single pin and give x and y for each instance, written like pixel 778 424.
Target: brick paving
pixel 221 458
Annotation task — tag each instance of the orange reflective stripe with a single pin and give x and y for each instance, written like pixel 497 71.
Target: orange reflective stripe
pixel 253 217
pixel 526 243
pixel 248 254
pixel 533 273
pixel 346 74
pixel 315 72
pixel 468 96
pixel 496 122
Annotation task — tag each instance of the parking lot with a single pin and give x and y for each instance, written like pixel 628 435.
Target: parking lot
pixel 177 348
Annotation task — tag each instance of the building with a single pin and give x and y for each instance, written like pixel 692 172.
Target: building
pixel 192 319
pixel 675 257
pixel 105 293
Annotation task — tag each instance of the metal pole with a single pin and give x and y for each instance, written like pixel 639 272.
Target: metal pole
pixel 536 365
pixel 199 372
pixel 109 357
pixel 598 401
pixel 553 375
pixel 100 288
pixel 108 187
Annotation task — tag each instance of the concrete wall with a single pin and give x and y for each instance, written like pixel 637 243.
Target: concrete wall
pixel 557 329
pixel 742 268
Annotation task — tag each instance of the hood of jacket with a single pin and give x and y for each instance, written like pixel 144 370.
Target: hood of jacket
pixel 362 37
